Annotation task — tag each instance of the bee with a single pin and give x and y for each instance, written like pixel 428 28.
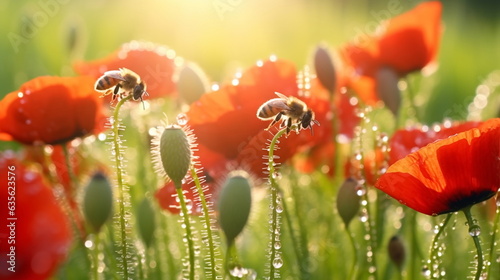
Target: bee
pixel 291 109
pixel 125 79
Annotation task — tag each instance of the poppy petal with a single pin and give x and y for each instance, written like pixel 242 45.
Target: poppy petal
pixel 217 118
pixel 51 110
pixel 411 40
pixel 406 141
pixel 155 64
pixel 449 174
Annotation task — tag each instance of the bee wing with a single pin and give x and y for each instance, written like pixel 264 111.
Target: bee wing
pixel 280 95
pixel 278 103
pixel 115 74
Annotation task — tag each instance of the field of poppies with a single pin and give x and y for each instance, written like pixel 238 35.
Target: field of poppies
pixel 172 140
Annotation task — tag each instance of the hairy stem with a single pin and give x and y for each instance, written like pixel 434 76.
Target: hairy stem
pixel 206 217
pixel 274 206
pixel 189 234
pixel 474 231
pixel 117 152
pixel 433 255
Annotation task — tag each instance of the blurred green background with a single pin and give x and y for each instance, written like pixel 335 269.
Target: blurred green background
pixel 43 37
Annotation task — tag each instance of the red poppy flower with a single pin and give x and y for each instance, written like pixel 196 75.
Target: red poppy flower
pixel 155 64
pixel 450 174
pixel 405 43
pixel 51 110
pixel 39 237
pixel 406 141
pixel 225 121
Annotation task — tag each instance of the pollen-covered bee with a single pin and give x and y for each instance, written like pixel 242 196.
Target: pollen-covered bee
pixel 126 80
pixel 291 109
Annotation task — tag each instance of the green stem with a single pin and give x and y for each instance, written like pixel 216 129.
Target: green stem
pixel 433 254
pixel 189 235
pixel 353 270
pixel 493 242
pixel 115 126
pixel 206 216
pixel 474 231
pixel 95 251
pixel 274 203
pixel 231 261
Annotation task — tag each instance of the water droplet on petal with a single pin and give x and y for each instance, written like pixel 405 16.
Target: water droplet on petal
pixel 20 94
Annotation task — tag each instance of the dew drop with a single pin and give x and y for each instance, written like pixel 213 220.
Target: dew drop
pixel 474 230
pixel 360 190
pixel 238 271
pixel 260 63
pixel 28 122
pixel 277 245
pixel 89 244
pixel 197 250
pixel 20 94
pixel 279 209
pixel 363 217
pixel 182 119
pixel 277 262
pixel 426 271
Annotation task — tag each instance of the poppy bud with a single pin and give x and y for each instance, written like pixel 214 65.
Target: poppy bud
pixel 192 83
pixel 175 153
pixel 97 201
pixel 348 201
pixel 323 64
pixel 396 250
pixel 387 88
pixel 234 204
pixel 146 221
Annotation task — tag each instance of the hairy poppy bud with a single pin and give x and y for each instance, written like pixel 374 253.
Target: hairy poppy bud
pixel 172 152
pixel 396 250
pixel 348 201
pixel 234 204
pixel 192 83
pixel 146 221
pixel 323 64
pixel 97 201
pixel 388 90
